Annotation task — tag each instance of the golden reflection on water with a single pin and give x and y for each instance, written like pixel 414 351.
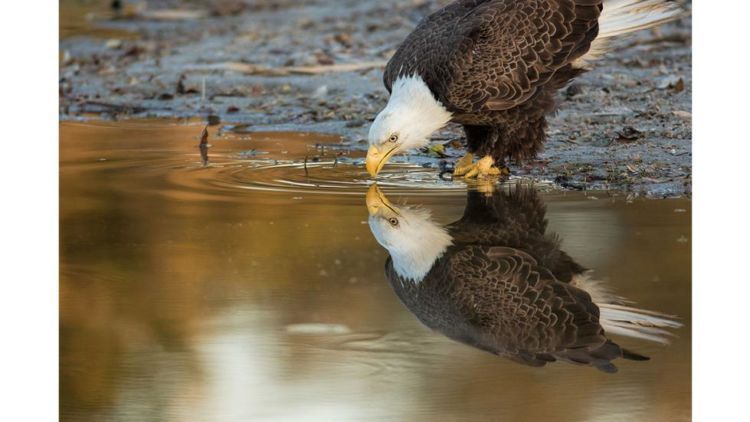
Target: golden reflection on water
pixel 186 295
pixel 89 18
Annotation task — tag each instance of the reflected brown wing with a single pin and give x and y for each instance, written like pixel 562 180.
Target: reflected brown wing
pixel 520 311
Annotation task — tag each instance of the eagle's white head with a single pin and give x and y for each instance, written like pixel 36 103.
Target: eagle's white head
pixel 411 116
pixel 413 240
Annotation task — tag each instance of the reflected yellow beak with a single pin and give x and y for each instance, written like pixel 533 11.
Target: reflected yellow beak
pixel 376 159
pixel 377 203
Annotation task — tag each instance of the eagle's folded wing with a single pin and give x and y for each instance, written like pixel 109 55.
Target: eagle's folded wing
pixel 520 310
pixel 518 46
pixel 495 54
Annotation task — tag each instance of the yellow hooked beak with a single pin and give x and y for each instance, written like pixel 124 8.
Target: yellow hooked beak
pixel 378 204
pixel 376 159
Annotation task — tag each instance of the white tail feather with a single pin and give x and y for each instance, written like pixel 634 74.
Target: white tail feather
pixel 624 16
pixel 618 318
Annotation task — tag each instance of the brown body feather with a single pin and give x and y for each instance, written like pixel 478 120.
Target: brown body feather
pixel 496 64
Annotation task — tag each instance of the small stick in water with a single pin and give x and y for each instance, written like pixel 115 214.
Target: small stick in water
pixel 203 146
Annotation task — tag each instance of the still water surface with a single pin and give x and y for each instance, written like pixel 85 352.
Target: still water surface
pixel 249 287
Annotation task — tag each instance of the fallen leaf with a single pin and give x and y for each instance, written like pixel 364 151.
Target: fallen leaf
pixel 629 134
pixel 323 58
pixel 344 39
pixel 228 7
pixel 113 44
pixel 437 150
pixel 683 114
pixel 679 86
pixel 673 82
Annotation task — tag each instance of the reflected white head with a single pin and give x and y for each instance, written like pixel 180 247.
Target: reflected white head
pixel 411 116
pixel 413 240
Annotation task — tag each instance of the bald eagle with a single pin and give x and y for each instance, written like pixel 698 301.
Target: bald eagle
pixel 494 66
pixel 496 280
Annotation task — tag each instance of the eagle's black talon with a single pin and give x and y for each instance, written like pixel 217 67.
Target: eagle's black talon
pixel 442 174
pixel 445 167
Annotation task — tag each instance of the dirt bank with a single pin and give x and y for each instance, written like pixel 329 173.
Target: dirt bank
pixel 315 66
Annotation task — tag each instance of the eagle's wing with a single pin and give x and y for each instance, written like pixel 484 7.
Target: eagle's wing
pixel 518 310
pixel 519 45
pixel 515 218
pixel 495 54
pixel 430 48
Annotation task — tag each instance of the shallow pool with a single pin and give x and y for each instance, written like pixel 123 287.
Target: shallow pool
pixel 241 281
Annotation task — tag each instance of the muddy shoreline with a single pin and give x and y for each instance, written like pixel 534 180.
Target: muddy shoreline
pixel 315 66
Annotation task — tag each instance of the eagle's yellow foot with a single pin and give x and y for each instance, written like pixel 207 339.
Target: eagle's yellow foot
pixel 463 165
pixel 484 186
pixel 484 168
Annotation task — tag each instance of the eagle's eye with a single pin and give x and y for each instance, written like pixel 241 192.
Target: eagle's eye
pixel 393 221
pixel 393 138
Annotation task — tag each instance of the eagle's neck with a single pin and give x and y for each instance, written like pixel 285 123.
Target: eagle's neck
pixel 414 256
pixel 415 266
pixel 413 108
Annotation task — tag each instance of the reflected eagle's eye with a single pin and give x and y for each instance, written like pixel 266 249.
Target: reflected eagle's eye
pixel 393 221
pixel 393 138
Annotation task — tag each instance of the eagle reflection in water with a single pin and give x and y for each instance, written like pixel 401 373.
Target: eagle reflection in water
pixel 496 280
